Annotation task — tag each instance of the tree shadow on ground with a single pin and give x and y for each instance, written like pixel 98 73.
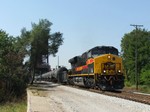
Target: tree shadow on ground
pixel 43 86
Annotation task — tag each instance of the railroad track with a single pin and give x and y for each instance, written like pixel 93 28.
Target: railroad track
pixel 129 95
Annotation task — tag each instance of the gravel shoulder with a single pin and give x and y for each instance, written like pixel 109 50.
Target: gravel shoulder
pixel 49 97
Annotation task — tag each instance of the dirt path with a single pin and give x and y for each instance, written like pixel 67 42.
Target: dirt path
pixel 48 97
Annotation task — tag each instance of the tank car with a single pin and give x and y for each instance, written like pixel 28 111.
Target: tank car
pixel 99 67
pixel 58 75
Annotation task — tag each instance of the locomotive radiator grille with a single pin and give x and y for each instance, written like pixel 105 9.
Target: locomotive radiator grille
pixel 110 68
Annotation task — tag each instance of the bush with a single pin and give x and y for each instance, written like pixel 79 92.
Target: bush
pixel 13 87
pixel 2 95
pixel 145 77
pixel 18 86
pixel 128 84
pixel 145 89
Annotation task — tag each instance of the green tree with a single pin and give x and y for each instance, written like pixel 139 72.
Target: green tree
pixel 141 39
pixel 33 44
pixel 145 75
pixel 41 43
pixel 11 64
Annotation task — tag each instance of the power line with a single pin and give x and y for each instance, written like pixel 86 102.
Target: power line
pixel 136 54
pixel 136 26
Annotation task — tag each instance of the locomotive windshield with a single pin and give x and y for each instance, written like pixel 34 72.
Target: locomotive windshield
pixel 103 50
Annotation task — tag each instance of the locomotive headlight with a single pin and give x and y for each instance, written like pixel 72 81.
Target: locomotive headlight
pixel 119 71
pixel 109 57
pixel 104 71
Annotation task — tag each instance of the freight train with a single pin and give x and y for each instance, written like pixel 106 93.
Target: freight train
pixel 99 67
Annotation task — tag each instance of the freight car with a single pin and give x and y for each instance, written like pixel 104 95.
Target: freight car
pixel 99 67
pixel 58 75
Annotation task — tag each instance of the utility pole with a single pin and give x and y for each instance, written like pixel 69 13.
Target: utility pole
pixel 136 54
pixel 58 61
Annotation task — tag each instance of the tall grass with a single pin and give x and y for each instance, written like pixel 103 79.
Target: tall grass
pixel 144 88
pixel 20 106
pixel 141 88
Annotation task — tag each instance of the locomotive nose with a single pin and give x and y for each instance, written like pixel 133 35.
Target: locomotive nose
pixel 109 68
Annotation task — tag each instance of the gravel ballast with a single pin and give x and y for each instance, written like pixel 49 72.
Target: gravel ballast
pixel 60 98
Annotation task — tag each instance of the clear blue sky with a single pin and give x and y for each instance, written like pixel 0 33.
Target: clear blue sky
pixel 84 23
